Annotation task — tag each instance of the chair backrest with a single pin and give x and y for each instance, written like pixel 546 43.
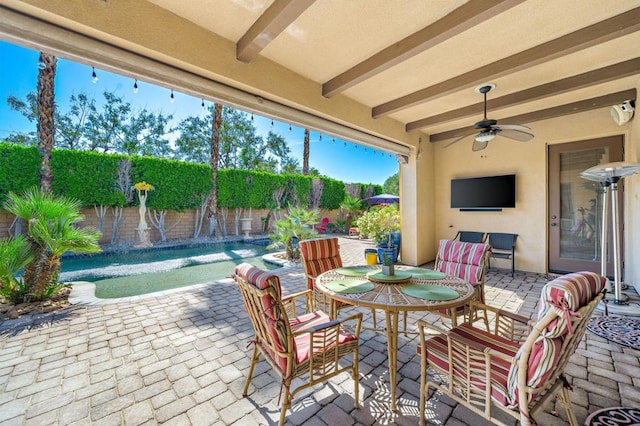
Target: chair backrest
pixel 463 260
pixel 261 292
pixel 318 256
pixel 502 241
pixel 566 304
pixel 471 236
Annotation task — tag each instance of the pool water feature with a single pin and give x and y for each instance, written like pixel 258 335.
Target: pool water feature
pixel 146 271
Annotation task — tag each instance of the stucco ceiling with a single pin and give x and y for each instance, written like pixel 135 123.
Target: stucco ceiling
pixel 385 67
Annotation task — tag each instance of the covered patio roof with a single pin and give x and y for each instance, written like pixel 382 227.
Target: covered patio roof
pixel 388 74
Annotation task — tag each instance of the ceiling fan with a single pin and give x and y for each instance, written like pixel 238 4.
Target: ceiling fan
pixel 486 129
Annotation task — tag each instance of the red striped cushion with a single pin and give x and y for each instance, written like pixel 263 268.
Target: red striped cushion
pixel 569 292
pixel 318 256
pixel 461 259
pixel 437 354
pixel 261 279
pixel 302 343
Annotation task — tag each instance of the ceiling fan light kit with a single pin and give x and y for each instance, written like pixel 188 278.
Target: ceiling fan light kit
pixel 487 129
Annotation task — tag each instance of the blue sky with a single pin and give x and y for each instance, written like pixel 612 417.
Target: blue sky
pixel 18 75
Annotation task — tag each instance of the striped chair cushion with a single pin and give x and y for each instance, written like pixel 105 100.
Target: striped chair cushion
pixel 571 291
pixel 568 293
pixel 302 342
pixel 318 256
pixel 463 260
pixel 261 280
pixel 438 355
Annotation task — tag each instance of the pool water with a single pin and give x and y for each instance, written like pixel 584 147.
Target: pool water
pixel 146 271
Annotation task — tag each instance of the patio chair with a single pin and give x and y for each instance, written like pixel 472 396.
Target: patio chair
pixel 503 246
pixel 464 260
pixel 322 226
pixel 519 364
pixel 321 255
pixel 295 346
pixel 470 236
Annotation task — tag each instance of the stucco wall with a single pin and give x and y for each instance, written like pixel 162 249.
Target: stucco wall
pixel 529 162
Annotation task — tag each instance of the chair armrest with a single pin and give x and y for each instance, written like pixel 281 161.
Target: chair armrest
pixel 290 300
pixel 334 323
pixel 507 324
pixel 422 324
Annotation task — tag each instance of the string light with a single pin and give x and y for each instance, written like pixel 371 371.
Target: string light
pixel 251 116
pixel 345 144
pixel 289 127
pixel 365 149
pixel 202 105
pixel 320 138
pixel 94 76
pixel 355 147
pixel 135 86
pixel 172 98
pixel 333 140
pixel 271 123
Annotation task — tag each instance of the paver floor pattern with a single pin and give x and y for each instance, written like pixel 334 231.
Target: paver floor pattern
pixel 181 358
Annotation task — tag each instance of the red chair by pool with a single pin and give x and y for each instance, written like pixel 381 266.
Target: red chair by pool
pixel 322 227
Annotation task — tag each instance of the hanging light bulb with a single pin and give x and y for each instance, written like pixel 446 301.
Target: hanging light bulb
pixel 345 144
pixel 333 140
pixel 251 116
pixel 365 149
pixel 172 98
pixel 289 127
pixel 271 123
pixel 135 86
pixel 320 138
pixel 202 105
pixel 94 76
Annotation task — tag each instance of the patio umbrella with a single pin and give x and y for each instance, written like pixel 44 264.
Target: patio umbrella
pixel 382 199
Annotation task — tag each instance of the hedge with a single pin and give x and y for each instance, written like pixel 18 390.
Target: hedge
pixel 91 178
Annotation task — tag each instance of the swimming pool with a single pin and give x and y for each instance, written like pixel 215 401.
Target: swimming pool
pixel 145 271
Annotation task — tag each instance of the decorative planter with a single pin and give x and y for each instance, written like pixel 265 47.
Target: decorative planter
pixel 246 225
pixel 391 252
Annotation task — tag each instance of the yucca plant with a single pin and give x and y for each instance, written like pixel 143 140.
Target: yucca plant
pixel 51 232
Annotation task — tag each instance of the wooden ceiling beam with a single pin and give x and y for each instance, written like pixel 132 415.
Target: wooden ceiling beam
pixel 268 26
pixel 584 38
pixel 590 78
pixel 461 19
pixel 545 114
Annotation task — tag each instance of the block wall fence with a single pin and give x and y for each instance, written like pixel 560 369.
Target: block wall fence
pixel 179 225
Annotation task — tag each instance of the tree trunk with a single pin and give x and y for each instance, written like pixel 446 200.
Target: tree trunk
pixel 215 156
pixel 305 153
pixel 46 112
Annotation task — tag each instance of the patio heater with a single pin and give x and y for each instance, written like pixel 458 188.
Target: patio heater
pixel 608 175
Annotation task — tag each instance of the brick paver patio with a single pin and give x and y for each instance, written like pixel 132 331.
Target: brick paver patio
pixel 180 357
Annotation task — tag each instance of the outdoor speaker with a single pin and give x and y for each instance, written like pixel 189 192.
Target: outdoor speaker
pixel 621 114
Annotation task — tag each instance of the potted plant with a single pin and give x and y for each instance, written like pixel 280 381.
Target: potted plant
pixel 379 224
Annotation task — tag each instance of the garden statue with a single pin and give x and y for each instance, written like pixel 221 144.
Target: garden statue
pixel 143 189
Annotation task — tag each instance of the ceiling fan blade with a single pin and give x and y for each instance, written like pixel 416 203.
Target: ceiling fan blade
pixel 513 127
pixel 516 135
pixel 468 132
pixel 479 146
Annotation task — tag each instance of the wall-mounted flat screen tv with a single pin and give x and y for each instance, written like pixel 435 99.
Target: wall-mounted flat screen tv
pixel 484 193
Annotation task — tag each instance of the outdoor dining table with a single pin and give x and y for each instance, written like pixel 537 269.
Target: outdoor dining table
pixel 408 290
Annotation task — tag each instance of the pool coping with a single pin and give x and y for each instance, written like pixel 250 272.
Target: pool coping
pixel 84 292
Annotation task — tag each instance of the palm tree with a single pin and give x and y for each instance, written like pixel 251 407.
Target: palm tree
pixel 51 232
pixel 15 254
pixel 46 113
pixel 351 206
pixel 214 159
pixel 305 153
